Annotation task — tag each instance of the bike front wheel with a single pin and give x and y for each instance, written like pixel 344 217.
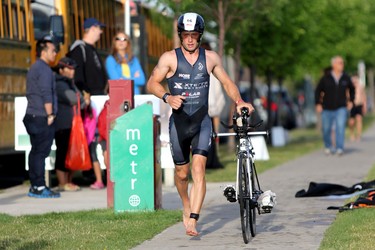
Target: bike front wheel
pixel 253 202
pixel 244 199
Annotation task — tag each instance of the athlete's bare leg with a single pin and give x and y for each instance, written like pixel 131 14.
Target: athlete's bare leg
pixel 181 179
pixel 197 192
pixel 358 120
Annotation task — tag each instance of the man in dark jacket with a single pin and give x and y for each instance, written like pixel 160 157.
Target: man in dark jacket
pixel 40 116
pixel 334 96
pixel 90 76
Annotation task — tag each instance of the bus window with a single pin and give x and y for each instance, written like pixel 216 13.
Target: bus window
pixel 42 10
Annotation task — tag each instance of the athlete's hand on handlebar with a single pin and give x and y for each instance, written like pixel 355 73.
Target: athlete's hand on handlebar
pixel 175 101
pixel 246 105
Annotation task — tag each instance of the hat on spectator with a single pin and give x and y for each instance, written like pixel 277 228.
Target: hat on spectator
pixel 66 62
pixel 89 22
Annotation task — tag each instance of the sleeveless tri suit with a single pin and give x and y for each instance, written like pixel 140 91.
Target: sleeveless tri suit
pixel 190 126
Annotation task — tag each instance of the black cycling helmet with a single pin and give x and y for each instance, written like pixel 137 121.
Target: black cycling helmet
pixel 190 22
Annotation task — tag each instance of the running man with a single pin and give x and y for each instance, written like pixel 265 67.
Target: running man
pixel 187 70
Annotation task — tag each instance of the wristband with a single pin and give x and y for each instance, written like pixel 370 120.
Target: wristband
pixel 239 101
pixel 165 97
pixel 51 116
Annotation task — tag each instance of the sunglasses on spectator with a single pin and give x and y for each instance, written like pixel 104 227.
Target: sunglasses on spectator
pixel 122 39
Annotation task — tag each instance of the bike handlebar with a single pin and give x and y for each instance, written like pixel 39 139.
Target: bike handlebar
pixel 248 133
pixel 241 125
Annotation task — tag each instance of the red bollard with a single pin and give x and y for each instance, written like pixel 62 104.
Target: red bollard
pixel 121 96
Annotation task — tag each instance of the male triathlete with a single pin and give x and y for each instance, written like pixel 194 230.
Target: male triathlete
pixel 187 70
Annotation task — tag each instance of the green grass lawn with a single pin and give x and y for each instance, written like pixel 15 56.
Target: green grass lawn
pixel 96 229
pixel 352 229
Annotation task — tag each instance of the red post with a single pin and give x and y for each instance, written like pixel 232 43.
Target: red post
pixel 121 96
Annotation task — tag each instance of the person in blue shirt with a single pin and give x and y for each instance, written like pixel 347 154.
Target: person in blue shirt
pixel 122 64
pixel 40 115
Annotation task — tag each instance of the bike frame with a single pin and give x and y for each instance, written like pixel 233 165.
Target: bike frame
pixel 246 177
pixel 245 148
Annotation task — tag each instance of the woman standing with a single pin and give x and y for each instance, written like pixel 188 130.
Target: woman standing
pixel 67 98
pixel 122 64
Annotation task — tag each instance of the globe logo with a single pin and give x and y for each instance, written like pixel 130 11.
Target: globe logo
pixel 134 200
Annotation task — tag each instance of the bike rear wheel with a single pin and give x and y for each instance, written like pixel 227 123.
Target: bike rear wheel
pixel 244 199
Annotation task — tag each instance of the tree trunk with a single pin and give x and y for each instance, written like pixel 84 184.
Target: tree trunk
pixel 221 19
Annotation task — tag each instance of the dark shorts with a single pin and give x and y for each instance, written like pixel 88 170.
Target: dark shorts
pixel 103 144
pixel 62 144
pixel 92 150
pixel 356 110
pixel 189 133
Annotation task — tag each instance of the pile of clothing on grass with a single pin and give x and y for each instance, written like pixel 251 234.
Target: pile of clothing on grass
pixel 366 191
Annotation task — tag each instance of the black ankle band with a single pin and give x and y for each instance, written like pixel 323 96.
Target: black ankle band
pixel 194 216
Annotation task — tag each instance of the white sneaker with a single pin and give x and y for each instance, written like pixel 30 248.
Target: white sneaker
pixel 327 151
pixel 267 200
pixel 340 152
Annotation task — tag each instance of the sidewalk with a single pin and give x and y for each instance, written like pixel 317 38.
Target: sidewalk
pixel 293 224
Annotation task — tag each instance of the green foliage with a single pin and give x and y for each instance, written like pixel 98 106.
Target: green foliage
pixel 97 229
pixel 341 28
pixel 288 37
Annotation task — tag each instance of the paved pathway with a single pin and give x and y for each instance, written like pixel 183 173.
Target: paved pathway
pixel 293 224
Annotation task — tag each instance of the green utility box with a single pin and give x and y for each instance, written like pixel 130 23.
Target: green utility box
pixel 132 160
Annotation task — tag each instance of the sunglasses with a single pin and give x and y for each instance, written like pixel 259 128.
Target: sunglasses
pixel 122 39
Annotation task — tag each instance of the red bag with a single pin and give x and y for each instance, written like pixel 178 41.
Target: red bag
pixel 78 156
pixel 102 122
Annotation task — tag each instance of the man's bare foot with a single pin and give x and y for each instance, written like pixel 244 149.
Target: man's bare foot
pixel 190 228
pixel 185 218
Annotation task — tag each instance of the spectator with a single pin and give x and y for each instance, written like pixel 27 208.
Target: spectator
pixel 67 98
pixel 40 116
pixel 89 122
pixel 103 131
pixel 331 101
pixel 122 64
pixel 358 110
pixel 90 76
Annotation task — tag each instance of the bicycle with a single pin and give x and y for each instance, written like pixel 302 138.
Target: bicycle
pixel 247 182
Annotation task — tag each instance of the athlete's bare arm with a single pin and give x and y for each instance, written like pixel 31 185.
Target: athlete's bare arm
pixel 165 68
pixel 214 64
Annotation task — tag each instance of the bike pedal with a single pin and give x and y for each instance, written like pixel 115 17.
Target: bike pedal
pixel 267 209
pixel 230 193
pixel 231 199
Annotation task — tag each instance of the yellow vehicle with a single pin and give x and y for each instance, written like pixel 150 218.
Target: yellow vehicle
pixel 22 22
